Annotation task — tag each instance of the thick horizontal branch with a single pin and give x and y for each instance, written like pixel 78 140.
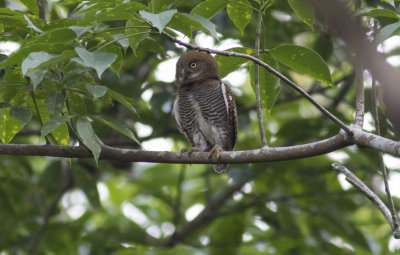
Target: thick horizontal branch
pixel 129 155
pixel 331 144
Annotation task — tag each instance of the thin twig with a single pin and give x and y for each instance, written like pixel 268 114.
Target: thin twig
pixel 257 78
pixel 359 116
pixel 358 184
pixel 375 114
pixel 269 69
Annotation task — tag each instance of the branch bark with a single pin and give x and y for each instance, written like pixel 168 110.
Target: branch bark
pixel 339 141
pixel 257 78
pixel 359 118
pixel 358 184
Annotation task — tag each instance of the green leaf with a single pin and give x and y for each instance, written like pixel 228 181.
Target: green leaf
pixel 303 60
pixel 21 113
pixel 86 133
pixel 375 12
pixel 209 8
pixel 57 35
pixel 78 30
pixel 121 99
pixel 159 20
pixel 17 57
pixel 54 103
pixel 117 125
pixel 53 123
pixel 36 76
pixel 269 83
pixel 35 59
pixel 77 104
pixel 122 40
pixel 227 65
pixel 33 26
pixel 205 23
pixel 9 126
pixel 111 12
pixel 32 6
pixel 116 65
pixel 100 61
pixel 96 91
pixel 184 24
pixel 156 6
pixel 152 45
pixel 226 234
pixel 137 31
pixel 387 31
pixel 305 10
pixel 240 13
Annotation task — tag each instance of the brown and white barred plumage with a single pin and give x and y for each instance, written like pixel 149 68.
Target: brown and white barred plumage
pixel 205 110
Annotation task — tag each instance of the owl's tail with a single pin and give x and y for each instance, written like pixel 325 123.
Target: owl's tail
pixel 220 168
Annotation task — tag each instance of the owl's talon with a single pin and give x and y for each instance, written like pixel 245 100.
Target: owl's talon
pixel 216 150
pixel 190 151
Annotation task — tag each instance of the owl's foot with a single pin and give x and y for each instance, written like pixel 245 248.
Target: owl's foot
pixel 189 150
pixel 216 150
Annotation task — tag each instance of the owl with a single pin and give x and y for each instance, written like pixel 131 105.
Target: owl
pixel 205 109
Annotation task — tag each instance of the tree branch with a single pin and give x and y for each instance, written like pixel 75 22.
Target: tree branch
pixel 359 116
pixel 128 155
pixel 257 78
pixel 269 69
pixel 358 184
pixel 42 9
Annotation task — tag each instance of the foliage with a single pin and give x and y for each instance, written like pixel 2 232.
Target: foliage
pixel 85 76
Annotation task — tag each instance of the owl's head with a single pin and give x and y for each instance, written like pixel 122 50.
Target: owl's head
pixel 195 66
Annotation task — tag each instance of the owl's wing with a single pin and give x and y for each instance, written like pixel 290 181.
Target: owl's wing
pixel 179 122
pixel 232 112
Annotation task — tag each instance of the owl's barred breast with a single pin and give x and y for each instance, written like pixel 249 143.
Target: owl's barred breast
pixel 203 114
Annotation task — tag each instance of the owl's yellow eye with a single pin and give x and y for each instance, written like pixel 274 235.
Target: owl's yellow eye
pixel 193 65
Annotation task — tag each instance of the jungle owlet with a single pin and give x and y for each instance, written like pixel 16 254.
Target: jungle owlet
pixel 205 110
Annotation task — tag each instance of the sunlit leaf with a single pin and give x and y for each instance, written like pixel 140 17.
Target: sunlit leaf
pixel 305 10
pixel 35 59
pixel 387 31
pixel 303 60
pixel 100 61
pixel 96 91
pixel 209 8
pixel 227 65
pixel 240 13
pixel 9 126
pixel 159 20
pixel 205 23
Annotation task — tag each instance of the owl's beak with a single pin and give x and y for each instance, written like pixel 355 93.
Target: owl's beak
pixel 183 73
